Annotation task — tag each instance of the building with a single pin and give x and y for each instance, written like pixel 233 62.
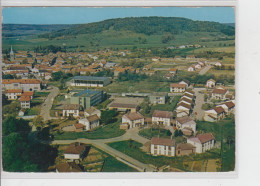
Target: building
pixel 229 107
pixel 158 98
pixel 177 88
pixel 184 149
pixel 68 167
pixel 183 108
pixel 123 107
pixel 133 119
pixel 25 102
pixel 24 84
pixel 13 94
pixel 162 117
pixel 186 123
pixel 12 56
pixel 92 111
pixel 202 142
pixel 211 83
pixel 162 146
pixel 90 81
pixel 214 114
pixel 219 94
pixel 90 122
pixel 75 151
pixel 173 71
pixel 71 110
pixel 87 98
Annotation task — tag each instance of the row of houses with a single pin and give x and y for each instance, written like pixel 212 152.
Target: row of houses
pixel 185 104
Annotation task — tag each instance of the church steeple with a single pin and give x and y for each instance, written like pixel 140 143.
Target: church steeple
pixel 11 54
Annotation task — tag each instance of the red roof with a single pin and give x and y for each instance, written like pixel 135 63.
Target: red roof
pixel 134 116
pixel 14 91
pixel 219 91
pixel 163 141
pixel 75 148
pixel 22 81
pixel 25 98
pixel 79 126
pixel 205 137
pixel 176 85
pixel 27 93
pixel 219 109
pixel 230 104
pixel 68 167
pixel 162 114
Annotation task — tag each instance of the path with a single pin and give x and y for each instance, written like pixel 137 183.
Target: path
pixel 101 144
pixel 205 69
pixel 46 106
pixel 198 104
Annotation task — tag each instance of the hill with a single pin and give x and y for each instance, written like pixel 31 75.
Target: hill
pixel 122 33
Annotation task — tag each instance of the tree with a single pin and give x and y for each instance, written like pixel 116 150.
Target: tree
pixel 11 125
pixel 5 100
pixel 38 121
pixel 107 116
pixel 57 75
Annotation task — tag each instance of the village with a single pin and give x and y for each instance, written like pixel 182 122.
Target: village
pixel 102 104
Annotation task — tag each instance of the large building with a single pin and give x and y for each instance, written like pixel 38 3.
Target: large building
pixel 24 84
pixel 162 146
pixel 87 98
pixel 158 98
pixel 90 81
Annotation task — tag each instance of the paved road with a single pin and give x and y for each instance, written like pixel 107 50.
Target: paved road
pixel 198 103
pixel 101 144
pixel 205 69
pixel 46 106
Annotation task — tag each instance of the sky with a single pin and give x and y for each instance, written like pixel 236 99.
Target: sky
pixel 76 15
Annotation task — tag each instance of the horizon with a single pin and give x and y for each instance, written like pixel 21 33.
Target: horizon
pixel 85 15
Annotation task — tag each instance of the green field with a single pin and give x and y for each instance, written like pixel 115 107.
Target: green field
pixel 149 133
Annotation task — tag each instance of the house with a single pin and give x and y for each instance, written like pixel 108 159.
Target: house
pixel 217 64
pixel 189 92
pixel 92 111
pixel 188 96
pixel 211 83
pixel 162 117
pixel 186 101
pixel 25 101
pixel 173 71
pixel 162 146
pixel 90 81
pixel 12 94
pixel 197 66
pixel 229 107
pixel 78 127
pixel 68 167
pixel 24 84
pixel 219 94
pixel 168 76
pixel 183 107
pixel 133 119
pixel 90 122
pixel 186 123
pixel 177 88
pixel 71 110
pixel 119 70
pixel 87 98
pixel 75 151
pixel 185 82
pixel 202 142
pixel 158 98
pixel 27 93
pixel 214 114
pixel 184 149
pixel 124 126
pixel 123 107
pixel 191 69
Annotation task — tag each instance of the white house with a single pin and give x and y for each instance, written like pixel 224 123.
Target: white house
pixel 197 66
pixel 186 123
pixel 133 119
pixel 186 101
pixel 218 64
pixel 177 88
pixel 75 151
pixel 219 93
pixel 92 111
pixel 185 82
pixel 182 107
pixel 90 122
pixel 214 114
pixel 211 83
pixel 71 110
pixel 12 94
pixel 162 146
pixel 162 117
pixel 229 107
pixel 25 101
pixel 202 142
pixel 191 69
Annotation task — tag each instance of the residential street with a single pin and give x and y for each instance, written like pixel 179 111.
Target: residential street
pixel 198 103
pixel 101 144
pixel 46 106
pixel 205 69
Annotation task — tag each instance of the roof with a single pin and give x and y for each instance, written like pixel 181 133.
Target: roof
pixel 87 93
pixel 186 100
pixel 14 91
pixel 68 167
pixel 71 107
pixel 188 95
pixel 205 137
pixel 219 109
pixel 92 118
pixel 122 105
pixel 134 116
pixel 90 78
pixel 176 85
pixel 22 81
pixel 184 119
pixel 184 105
pixel 162 141
pixel 230 104
pixel 211 80
pixel 185 146
pixel 75 148
pixel 190 91
pixel 25 98
pixel 91 110
pixel 219 91
pixel 27 93
pixel 173 69
pixel 79 126
pixel 162 114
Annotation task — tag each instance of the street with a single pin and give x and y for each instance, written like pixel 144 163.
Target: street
pixel 205 69
pixel 198 104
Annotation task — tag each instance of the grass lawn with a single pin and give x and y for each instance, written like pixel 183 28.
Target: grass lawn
pixel 132 149
pixel 41 94
pixel 221 72
pixel 107 131
pixel 149 133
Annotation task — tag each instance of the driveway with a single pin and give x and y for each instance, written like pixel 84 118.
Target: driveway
pixel 205 69
pixel 46 106
pixel 198 103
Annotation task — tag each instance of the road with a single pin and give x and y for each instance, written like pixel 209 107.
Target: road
pixel 101 144
pixel 46 106
pixel 205 69
pixel 198 103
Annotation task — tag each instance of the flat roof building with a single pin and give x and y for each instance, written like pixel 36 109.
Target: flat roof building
pixel 90 81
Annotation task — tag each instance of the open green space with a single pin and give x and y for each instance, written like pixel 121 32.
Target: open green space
pixel 41 94
pixel 150 132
